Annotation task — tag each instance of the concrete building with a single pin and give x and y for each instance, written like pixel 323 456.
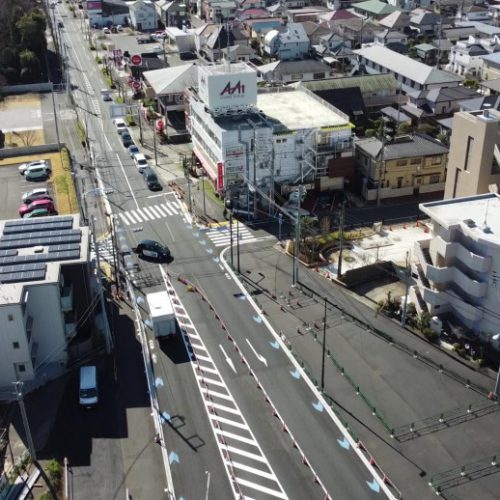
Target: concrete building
pixel 171 12
pixel 43 266
pixel 409 166
pixel 107 12
pixel 278 136
pixel 457 270
pixel 474 162
pixel 143 16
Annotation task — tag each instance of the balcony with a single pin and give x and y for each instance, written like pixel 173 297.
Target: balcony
pixel 473 261
pixel 67 298
pixel 475 289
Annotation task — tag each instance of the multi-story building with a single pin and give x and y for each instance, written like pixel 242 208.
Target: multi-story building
pixel 474 159
pixel 143 16
pixel 287 43
pixel 43 269
pixel 408 166
pixel 457 271
pixel 278 136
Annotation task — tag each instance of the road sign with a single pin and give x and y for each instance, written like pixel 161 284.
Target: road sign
pixel 136 85
pixel 136 59
pixel 117 52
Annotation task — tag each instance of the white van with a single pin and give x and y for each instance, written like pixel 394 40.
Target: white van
pixel 140 162
pixel 88 386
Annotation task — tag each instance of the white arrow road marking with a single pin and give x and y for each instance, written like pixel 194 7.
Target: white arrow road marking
pixel 229 361
pixel 261 358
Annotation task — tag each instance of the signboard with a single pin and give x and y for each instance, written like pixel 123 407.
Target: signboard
pixel 220 176
pixel 136 59
pixel 224 91
pixel 234 161
pixel 117 52
pixel 94 5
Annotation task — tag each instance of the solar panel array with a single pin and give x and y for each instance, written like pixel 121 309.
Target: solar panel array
pixel 58 236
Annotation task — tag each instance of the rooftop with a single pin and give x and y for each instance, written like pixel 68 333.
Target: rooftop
pixel 300 109
pixel 374 7
pixel 367 83
pixel 33 250
pixel 405 66
pixel 173 80
pixel 474 213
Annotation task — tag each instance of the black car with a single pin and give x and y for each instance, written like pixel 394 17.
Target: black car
pixel 151 179
pixel 126 139
pixel 152 250
pixel 187 56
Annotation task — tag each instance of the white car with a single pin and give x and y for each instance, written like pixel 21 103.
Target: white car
pixel 121 125
pixel 25 166
pixel 35 193
pixel 140 162
pixel 157 49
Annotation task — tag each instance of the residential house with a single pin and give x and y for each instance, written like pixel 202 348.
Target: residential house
pixel 219 11
pixel 426 52
pixel 211 39
pixel 491 66
pixel 474 162
pixel 287 43
pixel 252 4
pixel 305 14
pixel 293 71
pixel 396 21
pixel 466 57
pixel 394 40
pixel 483 29
pixel 107 12
pixel 315 32
pixel 457 269
pixel 439 101
pixel 490 87
pixel 335 51
pixel 172 12
pixel 407 166
pixel 167 86
pixel 357 30
pixel 244 15
pixel 143 15
pixel 328 20
pixel 238 53
pixel 424 22
pixel 373 9
pixel 45 295
pixel 476 13
pixel 258 28
pixel 413 76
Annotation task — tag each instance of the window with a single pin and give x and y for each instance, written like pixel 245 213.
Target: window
pixel 15 345
pixel 402 163
pixel 434 179
pixel 415 161
pixel 10 317
pixel 436 160
pixel 318 76
pixel 468 152
pixel 21 368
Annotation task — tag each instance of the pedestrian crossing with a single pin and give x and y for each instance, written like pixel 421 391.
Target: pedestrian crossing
pixel 221 236
pixel 105 249
pixel 92 100
pixel 150 212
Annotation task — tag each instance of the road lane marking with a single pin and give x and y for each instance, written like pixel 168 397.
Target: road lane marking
pixel 228 421
pixel 261 358
pixel 269 491
pixel 229 361
pixel 252 470
pixel 237 437
pixel 245 453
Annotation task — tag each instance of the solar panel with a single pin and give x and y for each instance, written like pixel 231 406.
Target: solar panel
pixel 40 257
pixel 7 253
pixel 23 276
pixel 42 241
pixel 37 227
pixel 45 234
pixel 37 222
pixel 62 248
pixel 31 266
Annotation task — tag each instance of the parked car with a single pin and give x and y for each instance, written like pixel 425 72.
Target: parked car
pixel 25 166
pixel 187 56
pixel 126 139
pixel 38 192
pixel 153 250
pixel 113 29
pixel 119 27
pixel 133 150
pixel 25 208
pixel 140 162
pixel 31 199
pixel 40 173
pixel 38 212
pixel 144 39
pixel 121 125
pixel 106 94
pixel 157 49
pixel 151 179
pixel 106 31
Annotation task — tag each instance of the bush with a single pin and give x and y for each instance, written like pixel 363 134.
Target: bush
pixel 130 120
pixel 54 470
pixel 92 46
pixel 98 60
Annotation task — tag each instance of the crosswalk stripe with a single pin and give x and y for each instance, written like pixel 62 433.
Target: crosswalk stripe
pixel 130 216
pixel 166 208
pixel 158 207
pixel 150 212
pixel 175 207
pixel 141 212
pixel 133 213
pixel 124 219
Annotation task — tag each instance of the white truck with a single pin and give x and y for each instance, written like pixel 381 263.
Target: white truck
pixel 162 314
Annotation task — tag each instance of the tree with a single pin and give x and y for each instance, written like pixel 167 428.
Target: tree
pixel 30 66
pixel 32 28
pixel 27 137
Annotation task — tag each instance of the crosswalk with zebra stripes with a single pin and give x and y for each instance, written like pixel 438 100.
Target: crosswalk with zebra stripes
pixel 221 236
pixel 150 212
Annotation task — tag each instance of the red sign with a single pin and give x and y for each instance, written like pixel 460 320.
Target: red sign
pixel 136 85
pixel 136 59
pixel 130 79
pixel 95 5
pixel 220 176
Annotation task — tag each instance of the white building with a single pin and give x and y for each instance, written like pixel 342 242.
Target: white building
pixel 287 43
pixel 42 264
pixel 283 136
pixel 458 269
pixel 143 16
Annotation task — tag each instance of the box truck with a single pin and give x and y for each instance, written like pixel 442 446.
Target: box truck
pixel 162 313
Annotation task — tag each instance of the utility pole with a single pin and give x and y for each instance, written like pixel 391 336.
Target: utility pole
pixel 238 244
pixel 29 438
pixel 380 168
pixel 324 349
pixel 341 239
pixel 407 287
pixel 231 236
pixel 186 174
pixel 204 200
pixel 140 124
pixel 295 275
pixel 154 143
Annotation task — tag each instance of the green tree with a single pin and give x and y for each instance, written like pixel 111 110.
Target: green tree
pixel 30 66
pixel 32 28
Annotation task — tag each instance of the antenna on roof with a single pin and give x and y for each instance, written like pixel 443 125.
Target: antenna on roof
pixel 485 223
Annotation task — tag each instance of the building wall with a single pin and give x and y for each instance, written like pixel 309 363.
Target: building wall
pixel 143 16
pixel 490 72
pixel 472 166
pixel 13 330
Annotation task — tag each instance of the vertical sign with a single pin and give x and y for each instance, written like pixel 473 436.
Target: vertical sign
pixel 220 176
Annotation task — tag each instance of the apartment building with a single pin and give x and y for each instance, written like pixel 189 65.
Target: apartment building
pixel 457 270
pixel 43 266
pixel 474 159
